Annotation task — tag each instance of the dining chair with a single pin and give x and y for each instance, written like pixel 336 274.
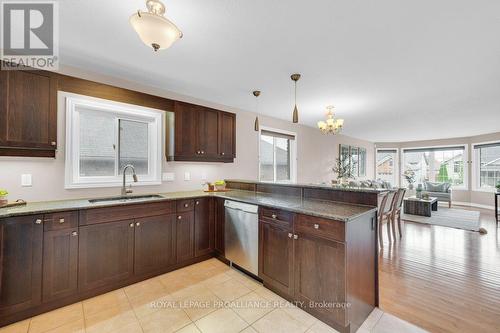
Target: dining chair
pixel 396 214
pixel 385 215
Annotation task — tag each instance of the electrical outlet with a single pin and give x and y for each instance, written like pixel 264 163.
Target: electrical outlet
pixel 168 176
pixel 187 175
pixel 26 180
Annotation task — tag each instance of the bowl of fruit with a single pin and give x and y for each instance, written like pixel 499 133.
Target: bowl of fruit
pixel 220 185
pixel 3 196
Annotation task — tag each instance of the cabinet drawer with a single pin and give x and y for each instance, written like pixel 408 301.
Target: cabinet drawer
pixel 185 205
pixel 124 212
pixel 315 226
pixel 60 220
pixel 277 216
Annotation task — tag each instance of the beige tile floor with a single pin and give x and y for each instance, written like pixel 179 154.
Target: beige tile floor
pixel 206 297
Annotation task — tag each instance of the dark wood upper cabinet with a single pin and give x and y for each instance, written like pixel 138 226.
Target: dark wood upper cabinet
pixel 203 134
pixel 155 244
pixel 60 263
pixel 203 226
pixel 185 236
pixel 106 254
pixel 28 113
pixel 20 263
pixel 227 135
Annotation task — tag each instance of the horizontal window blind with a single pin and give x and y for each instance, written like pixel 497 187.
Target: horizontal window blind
pixel 487 145
pixel 387 151
pixel 278 135
pixel 430 149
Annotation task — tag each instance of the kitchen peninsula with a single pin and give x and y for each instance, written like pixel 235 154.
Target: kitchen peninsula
pixel 313 248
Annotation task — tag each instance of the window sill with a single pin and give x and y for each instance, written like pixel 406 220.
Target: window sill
pixel 485 190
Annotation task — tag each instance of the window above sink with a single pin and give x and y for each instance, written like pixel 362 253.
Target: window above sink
pixel 103 136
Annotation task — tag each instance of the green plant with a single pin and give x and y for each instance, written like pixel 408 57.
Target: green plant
pixel 3 192
pixel 498 186
pixel 443 174
pixel 344 167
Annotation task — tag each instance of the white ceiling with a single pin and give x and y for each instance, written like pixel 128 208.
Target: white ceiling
pixel 395 70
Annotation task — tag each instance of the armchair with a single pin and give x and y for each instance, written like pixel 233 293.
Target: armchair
pixel 441 191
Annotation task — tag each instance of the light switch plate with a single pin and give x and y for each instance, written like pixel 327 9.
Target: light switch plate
pixel 187 175
pixel 26 180
pixel 168 176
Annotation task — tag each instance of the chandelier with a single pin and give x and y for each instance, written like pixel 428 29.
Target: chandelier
pixel 154 29
pixel 331 125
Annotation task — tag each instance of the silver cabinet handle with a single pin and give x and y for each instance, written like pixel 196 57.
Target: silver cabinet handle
pixel 131 225
pixel 202 152
pixel 198 152
pixel 295 236
pixel 223 153
pixel 53 143
pixel 316 226
pixel 274 216
pixel 74 233
pixel 61 220
pixel 138 224
pixel 186 205
pixel 290 235
pixel 197 202
pixel 38 221
pixel 179 217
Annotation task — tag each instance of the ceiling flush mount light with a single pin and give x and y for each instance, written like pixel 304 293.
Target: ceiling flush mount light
pixel 331 125
pixel 295 118
pixel 256 126
pixel 154 29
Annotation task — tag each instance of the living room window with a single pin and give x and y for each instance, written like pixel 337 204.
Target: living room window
pixel 387 166
pixel 437 164
pixel 356 156
pixel 103 136
pixel 486 166
pixel 277 157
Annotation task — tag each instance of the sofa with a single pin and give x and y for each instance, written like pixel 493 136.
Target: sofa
pixel 441 191
pixel 379 183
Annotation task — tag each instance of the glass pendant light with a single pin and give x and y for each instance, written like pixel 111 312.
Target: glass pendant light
pixel 154 29
pixel 295 116
pixel 256 125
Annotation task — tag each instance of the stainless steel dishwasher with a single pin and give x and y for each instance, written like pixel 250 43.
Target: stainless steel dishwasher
pixel 242 235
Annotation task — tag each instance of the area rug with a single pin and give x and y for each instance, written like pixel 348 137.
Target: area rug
pixel 449 217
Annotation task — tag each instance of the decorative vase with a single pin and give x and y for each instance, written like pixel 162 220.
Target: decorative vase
pixel 3 200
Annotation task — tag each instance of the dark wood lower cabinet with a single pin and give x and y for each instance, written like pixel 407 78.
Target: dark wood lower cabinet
pixel 219 226
pixel 155 243
pixel 320 277
pixel 185 236
pixel 276 251
pixel 60 263
pixel 203 226
pixel 21 263
pixel 106 254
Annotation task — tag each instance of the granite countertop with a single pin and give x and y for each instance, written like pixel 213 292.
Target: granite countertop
pixel 315 185
pixel 326 209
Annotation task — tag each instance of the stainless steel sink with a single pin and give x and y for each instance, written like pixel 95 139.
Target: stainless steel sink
pixel 129 198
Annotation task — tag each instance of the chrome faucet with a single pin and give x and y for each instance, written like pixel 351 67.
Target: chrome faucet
pixel 125 190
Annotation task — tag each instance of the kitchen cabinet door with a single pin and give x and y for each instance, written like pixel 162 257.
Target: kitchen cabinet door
pixel 204 217
pixel 207 133
pixel 60 263
pixel 219 226
pixel 155 244
pixel 320 277
pixel 227 135
pixel 20 263
pixel 28 113
pixel 186 127
pixel 185 236
pixel 276 257
pixel 106 254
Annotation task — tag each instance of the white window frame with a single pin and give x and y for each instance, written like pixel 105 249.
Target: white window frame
pixel 154 119
pixel 397 169
pixel 293 157
pixel 464 187
pixel 476 168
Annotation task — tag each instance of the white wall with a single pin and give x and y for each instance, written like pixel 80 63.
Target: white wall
pixel 316 155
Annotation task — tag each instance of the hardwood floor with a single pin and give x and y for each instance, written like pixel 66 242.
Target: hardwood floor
pixel 443 279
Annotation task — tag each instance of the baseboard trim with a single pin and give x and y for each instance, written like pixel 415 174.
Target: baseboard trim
pixel 470 204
